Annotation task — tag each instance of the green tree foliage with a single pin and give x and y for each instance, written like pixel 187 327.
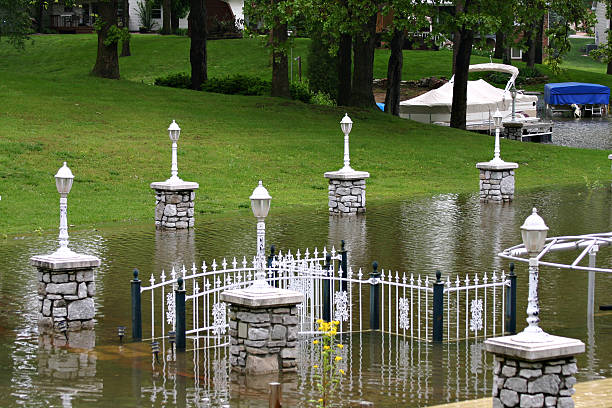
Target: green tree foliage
pixel 15 22
pixel 604 52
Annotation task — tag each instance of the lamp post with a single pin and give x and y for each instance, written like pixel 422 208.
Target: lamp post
pixel 260 204
pixel 513 93
pixel 63 182
pixel 174 132
pixel 346 124
pixel 534 232
pixel 497 119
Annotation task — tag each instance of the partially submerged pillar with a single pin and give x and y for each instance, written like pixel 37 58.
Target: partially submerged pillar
pixel 540 374
pixel 496 181
pixel 347 187
pixel 174 198
pixel 263 328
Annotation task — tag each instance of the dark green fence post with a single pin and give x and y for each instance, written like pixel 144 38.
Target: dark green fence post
pixel 344 267
pixel 270 259
pixel 375 297
pixel 179 304
pixel 438 309
pixel 136 309
pixel 511 302
pixel 327 290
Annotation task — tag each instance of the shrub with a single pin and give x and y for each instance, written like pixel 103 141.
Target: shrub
pixel 322 67
pixel 182 32
pixel 299 91
pixel 180 80
pixel 321 98
pixel 144 11
pixel 238 85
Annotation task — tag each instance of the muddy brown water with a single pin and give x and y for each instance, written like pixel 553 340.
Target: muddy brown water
pixel 454 233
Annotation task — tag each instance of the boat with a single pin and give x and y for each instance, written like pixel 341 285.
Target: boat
pixel 483 99
pixel 577 97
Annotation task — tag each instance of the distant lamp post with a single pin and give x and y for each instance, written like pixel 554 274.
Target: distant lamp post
pixel 260 204
pixel 497 119
pixel 174 132
pixel 513 93
pixel 63 182
pixel 346 124
pixel 534 232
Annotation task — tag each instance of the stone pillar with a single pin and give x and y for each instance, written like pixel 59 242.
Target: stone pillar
pixel 174 204
pixel 347 191
pixel 66 287
pixel 513 130
pixel 496 181
pixel 534 374
pixel 263 328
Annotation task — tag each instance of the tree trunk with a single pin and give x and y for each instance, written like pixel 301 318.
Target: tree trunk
pixel 125 46
pixel 539 42
pixel 531 49
pixel 394 73
pixel 456 42
pixel 344 69
pixel 280 62
pixel 499 45
pixel 507 57
pixel 167 17
pixel 107 60
pixel 197 51
pixel 40 14
pixel 462 66
pixel 609 67
pixel 174 23
pixel 362 94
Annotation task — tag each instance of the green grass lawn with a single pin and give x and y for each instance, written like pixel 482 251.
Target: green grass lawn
pixel 113 136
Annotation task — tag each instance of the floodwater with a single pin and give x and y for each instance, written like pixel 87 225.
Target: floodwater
pixel 454 233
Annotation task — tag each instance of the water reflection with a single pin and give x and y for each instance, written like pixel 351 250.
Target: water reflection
pixel 454 233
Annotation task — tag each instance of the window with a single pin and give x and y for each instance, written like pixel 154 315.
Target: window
pixel 156 13
pixel 516 53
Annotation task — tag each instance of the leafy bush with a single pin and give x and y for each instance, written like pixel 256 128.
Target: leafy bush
pixel 299 91
pixel 526 75
pixel 144 11
pixel 321 98
pixel 180 80
pixel 322 67
pixel 181 32
pixel 238 85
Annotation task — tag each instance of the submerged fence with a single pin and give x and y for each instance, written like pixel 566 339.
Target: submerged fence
pixel 418 306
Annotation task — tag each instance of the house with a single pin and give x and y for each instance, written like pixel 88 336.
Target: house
pixel 65 18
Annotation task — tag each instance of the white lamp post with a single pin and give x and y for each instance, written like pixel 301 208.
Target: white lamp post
pixel 346 124
pixel 534 232
pixel 497 119
pixel 260 204
pixel 174 132
pixel 63 182
pixel 513 93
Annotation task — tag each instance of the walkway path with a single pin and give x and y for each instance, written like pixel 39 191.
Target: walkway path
pixel 590 394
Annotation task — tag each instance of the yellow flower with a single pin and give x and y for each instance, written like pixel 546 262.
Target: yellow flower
pixel 340 346
pixel 341 371
pixel 338 358
pixel 315 342
pixel 336 322
pixel 315 366
pixel 320 399
pixel 326 347
pixel 319 321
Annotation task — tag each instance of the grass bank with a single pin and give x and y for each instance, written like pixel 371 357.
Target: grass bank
pixel 113 136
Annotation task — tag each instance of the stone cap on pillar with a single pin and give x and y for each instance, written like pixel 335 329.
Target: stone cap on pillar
pixel 512 124
pixel 555 348
pixel 271 297
pixel 69 261
pixel 347 175
pixel 490 165
pixel 175 185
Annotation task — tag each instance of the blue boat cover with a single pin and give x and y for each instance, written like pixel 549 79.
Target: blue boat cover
pixel 566 93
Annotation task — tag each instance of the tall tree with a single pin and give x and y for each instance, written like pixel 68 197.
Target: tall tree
pixel 107 60
pixel 166 17
pixel 364 42
pixel 394 72
pixel 197 50
pixel 125 18
pixel 14 21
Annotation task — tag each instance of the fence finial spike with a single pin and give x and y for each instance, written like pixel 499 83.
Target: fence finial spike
pixel 511 268
pixel 342 242
pixel 135 274
pixel 438 276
